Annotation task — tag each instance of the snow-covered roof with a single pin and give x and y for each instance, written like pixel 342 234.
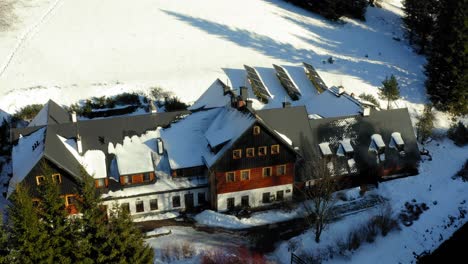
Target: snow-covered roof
pixel 95 163
pixel 212 97
pixel 346 145
pixel 185 140
pixel 25 155
pixel 285 138
pixel 227 127
pixel 228 124
pixel 41 118
pixel 376 143
pixel 325 148
pixel 134 155
pixel 396 140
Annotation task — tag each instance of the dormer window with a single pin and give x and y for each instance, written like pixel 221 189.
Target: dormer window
pixel 256 130
pixel 237 154
pixel 345 148
pixel 377 144
pixel 397 142
pixel 325 149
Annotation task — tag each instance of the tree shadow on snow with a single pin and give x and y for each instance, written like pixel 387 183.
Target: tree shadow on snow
pixel 332 40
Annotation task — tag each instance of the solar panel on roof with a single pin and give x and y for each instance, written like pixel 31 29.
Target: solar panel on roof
pixel 256 82
pixel 315 78
pixel 287 82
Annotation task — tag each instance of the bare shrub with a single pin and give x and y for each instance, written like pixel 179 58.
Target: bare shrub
pixel 243 255
pixel 385 220
pixel 7 15
pixel 188 250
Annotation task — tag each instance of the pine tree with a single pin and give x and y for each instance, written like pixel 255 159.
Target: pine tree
pixel 420 17
pixel 94 225
pixel 447 68
pixel 4 251
pixel 390 90
pixel 425 124
pixel 28 242
pixel 59 229
pixel 126 239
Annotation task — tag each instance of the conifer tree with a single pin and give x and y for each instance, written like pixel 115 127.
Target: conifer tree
pixel 27 240
pixel 4 251
pixel 126 239
pixel 447 68
pixel 425 124
pixel 390 90
pixel 59 229
pixel 94 224
pixel 420 17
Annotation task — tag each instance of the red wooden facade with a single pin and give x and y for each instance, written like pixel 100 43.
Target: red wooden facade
pixel 255 181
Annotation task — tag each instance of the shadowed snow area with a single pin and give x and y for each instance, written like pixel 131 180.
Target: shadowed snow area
pixel 88 48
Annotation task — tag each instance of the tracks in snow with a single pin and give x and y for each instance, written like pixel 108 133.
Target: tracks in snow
pixel 28 34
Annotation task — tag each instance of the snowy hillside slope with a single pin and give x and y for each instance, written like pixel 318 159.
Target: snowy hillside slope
pixel 69 50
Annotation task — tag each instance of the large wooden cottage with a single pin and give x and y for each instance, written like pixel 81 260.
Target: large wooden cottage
pixel 220 154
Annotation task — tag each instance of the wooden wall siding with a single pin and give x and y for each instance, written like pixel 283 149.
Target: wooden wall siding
pixel 249 140
pixel 256 180
pixel 136 178
pixel 68 185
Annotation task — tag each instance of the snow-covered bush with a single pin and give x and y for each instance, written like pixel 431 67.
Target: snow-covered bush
pixel 459 134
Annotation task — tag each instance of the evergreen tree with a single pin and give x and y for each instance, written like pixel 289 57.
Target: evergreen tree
pixel 60 230
pixel 94 224
pixel 126 239
pixel 27 240
pixel 390 90
pixel 4 252
pixel 420 17
pixel 447 68
pixel 425 124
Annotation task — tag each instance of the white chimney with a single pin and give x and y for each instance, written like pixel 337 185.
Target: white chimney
pixel 366 111
pixel 160 146
pixel 73 116
pixel 78 144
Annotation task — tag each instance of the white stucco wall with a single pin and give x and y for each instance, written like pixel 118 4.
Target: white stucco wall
pixel 164 201
pixel 255 196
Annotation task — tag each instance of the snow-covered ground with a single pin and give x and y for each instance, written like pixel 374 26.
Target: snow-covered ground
pixel 69 50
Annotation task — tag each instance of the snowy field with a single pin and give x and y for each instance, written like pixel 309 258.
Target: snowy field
pixel 70 50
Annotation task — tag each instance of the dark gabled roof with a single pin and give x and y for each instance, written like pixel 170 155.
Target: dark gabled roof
pixel 51 114
pixel 360 128
pixel 291 122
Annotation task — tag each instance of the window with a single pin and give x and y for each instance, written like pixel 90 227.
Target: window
pixel 245 201
pixel 201 198
pixel 139 206
pixel 245 175
pixel 126 180
pixel 230 176
pixel 262 151
pixel 146 177
pixel 281 170
pixel 100 183
pixel 256 130
pixel 266 197
pixel 125 207
pixel 153 204
pixel 250 152
pixel 274 149
pixel 267 172
pixel 230 203
pixel 36 202
pixel 57 178
pixel 176 201
pixel 280 195
pixel 40 179
pixel 70 200
pixel 237 154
